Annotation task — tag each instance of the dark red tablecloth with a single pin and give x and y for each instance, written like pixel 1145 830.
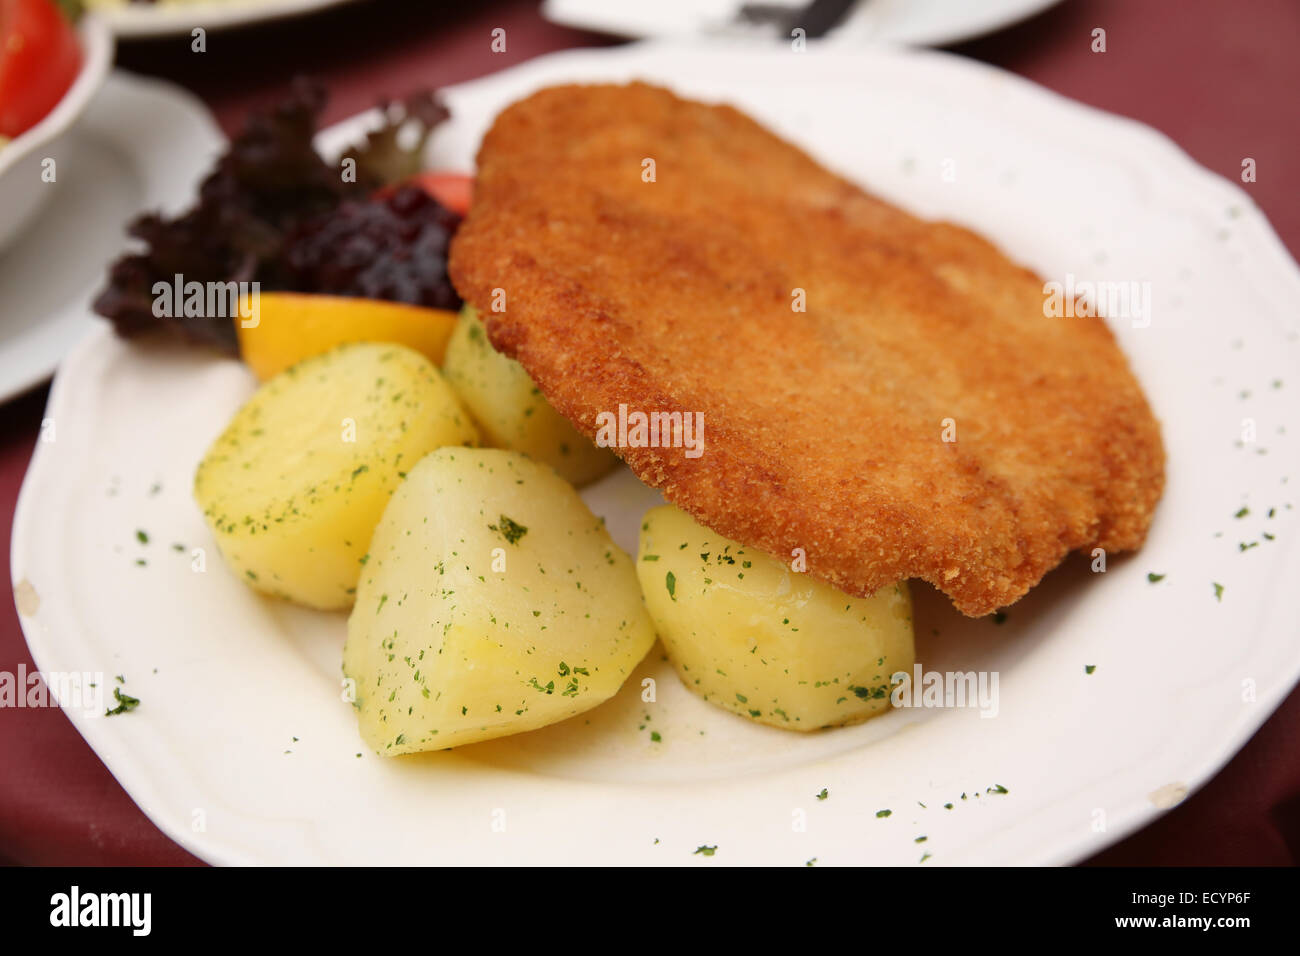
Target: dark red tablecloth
pixel 1221 78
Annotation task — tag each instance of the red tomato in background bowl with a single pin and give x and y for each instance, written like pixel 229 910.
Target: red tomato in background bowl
pixel 39 59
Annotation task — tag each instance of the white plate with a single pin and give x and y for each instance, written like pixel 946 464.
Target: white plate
pixel 910 22
pixel 132 21
pixel 229 680
pixel 141 144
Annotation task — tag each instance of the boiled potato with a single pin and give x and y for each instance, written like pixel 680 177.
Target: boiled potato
pixel 294 486
pixel 749 634
pixel 492 602
pixel 512 411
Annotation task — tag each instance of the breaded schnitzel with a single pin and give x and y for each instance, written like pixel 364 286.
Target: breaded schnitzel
pixel 827 431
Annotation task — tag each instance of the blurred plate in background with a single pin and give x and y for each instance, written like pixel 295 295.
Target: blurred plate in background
pixel 130 20
pixel 907 22
pixel 141 145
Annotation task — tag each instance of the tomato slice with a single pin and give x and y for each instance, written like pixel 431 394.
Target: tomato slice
pixel 453 190
pixel 39 59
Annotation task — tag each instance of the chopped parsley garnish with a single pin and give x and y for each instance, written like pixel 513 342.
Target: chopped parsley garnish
pixel 142 537
pixel 1089 668
pixel 1154 578
pixel 705 850
pixel 824 794
pixel 1242 512
pixel 881 814
pixel 671 582
pixel 1218 591
pixel 125 702
pixel 512 531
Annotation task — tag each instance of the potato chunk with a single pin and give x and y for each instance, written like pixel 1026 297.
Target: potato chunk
pixel 294 486
pixel 492 602
pixel 511 410
pixel 749 634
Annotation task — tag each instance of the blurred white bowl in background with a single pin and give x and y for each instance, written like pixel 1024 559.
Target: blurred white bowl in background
pixel 22 190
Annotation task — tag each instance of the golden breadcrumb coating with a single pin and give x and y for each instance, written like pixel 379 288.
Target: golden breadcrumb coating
pixel 824 428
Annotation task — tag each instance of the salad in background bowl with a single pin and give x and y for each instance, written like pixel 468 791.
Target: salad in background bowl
pixel 50 69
